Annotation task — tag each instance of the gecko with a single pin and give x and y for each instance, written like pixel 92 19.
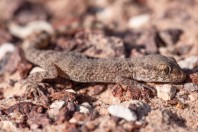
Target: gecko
pixel 79 68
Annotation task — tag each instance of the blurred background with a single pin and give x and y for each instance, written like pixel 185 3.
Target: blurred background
pixel 152 26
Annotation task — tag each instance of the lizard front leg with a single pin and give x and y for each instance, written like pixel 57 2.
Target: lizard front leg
pixel 131 82
pixel 31 83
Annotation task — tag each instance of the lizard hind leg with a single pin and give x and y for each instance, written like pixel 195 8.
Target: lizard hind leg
pixel 50 72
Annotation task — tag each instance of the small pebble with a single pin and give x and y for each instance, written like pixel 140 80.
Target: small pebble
pixel 37 69
pixel 138 21
pixel 122 112
pixel 30 28
pixel 189 63
pixel 57 104
pixel 70 91
pixel 170 36
pixel 105 14
pixel 193 96
pixel 5 48
pixel 191 87
pixel 166 91
pixel 55 107
pixel 8 126
pixel 85 108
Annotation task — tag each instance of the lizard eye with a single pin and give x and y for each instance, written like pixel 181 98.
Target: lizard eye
pixel 166 69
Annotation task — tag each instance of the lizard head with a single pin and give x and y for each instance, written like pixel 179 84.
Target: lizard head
pixel 157 68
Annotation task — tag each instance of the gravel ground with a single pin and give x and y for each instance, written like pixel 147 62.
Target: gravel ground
pixel 100 29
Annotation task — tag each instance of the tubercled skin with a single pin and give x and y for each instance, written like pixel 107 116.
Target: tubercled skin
pixel 150 68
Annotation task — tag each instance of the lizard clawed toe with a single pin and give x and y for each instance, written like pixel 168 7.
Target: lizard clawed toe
pixel 34 91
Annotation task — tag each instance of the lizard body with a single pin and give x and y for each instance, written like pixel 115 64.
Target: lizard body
pixel 150 68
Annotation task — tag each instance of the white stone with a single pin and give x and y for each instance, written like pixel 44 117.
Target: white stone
pixel 122 112
pixel 138 21
pixel 30 28
pixel 55 107
pixel 193 96
pixel 8 126
pixel 57 104
pixel 106 14
pixel 85 108
pixel 191 87
pixel 5 48
pixel 100 3
pixel 37 69
pixel 75 121
pixel 189 62
pixel 166 91
pixel 70 91
pixel 17 90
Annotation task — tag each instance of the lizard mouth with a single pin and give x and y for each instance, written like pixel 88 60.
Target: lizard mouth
pixel 180 77
pixel 183 76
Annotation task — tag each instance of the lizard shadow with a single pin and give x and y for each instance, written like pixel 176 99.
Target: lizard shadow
pixel 61 83
pixel 175 119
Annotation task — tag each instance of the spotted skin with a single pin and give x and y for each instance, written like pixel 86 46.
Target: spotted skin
pixel 150 68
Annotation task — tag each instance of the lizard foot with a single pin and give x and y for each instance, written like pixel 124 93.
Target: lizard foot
pixel 34 91
pixel 130 82
pixel 140 85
